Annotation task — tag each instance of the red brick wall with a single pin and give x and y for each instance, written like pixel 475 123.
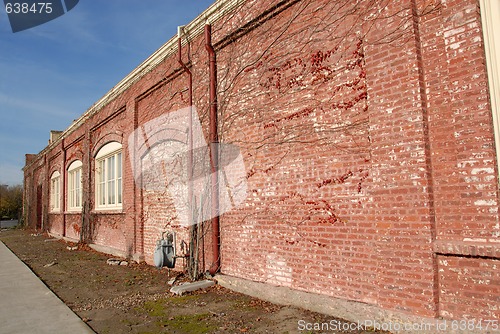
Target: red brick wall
pixel 368 147
pixel 56 223
pixel 401 209
pixel 73 226
pixel 460 124
pixel 464 173
pixel 469 288
pixel 291 110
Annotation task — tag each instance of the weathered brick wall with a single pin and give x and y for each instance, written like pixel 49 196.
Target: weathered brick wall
pixel 158 211
pixel 400 210
pixel 297 106
pixel 367 140
pixel 109 228
pixel 464 172
pixel 37 206
pixel 75 150
pixel 56 224
pixel 469 288
pixel 73 226
pixel 460 123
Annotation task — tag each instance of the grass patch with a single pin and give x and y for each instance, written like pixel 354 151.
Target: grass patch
pixel 178 300
pixel 192 324
pixel 153 308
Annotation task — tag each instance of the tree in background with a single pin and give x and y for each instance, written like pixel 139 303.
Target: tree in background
pixel 11 201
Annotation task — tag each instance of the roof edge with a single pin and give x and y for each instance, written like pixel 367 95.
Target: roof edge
pixel 212 14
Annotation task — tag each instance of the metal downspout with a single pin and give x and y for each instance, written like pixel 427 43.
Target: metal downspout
pixel 214 160
pixel 63 190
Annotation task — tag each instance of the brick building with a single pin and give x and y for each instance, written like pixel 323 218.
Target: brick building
pixel 369 135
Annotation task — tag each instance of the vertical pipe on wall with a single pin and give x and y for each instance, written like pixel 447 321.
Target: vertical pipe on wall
pixel 63 190
pixel 214 160
pixel 45 193
pixel 190 132
pixel 193 229
pixel 137 191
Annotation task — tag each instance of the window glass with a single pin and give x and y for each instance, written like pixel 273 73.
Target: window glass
pixel 119 177
pixel 78 188
pixel 109 177
pixel 55 193
pixel 75 186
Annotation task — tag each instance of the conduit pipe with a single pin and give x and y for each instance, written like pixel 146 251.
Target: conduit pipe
pixel 214 160
pixel 193 229
pixel 180 31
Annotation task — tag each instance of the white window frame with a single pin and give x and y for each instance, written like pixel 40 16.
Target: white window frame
pixel 108 177
pixel 55 192
pixel 490 17
pixel 74 193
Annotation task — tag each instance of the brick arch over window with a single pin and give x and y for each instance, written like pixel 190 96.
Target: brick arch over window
pixel 108 177
pixel 105 140
pixel 54 170
pixel 76 155
pixel 74 164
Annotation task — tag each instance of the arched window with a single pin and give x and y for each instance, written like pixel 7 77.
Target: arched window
pixel 55 192
pixel 75 186
pixel 108 180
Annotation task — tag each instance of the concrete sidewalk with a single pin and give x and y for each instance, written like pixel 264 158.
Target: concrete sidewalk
pixel 28 306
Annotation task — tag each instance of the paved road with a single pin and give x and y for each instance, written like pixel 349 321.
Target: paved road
pixel 8 223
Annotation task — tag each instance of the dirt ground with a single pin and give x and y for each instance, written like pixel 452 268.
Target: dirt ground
pixel 135 298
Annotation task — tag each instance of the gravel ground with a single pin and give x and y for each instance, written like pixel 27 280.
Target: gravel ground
pixel 135 298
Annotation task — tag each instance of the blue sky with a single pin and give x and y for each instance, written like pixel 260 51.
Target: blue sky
pixel 51 74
